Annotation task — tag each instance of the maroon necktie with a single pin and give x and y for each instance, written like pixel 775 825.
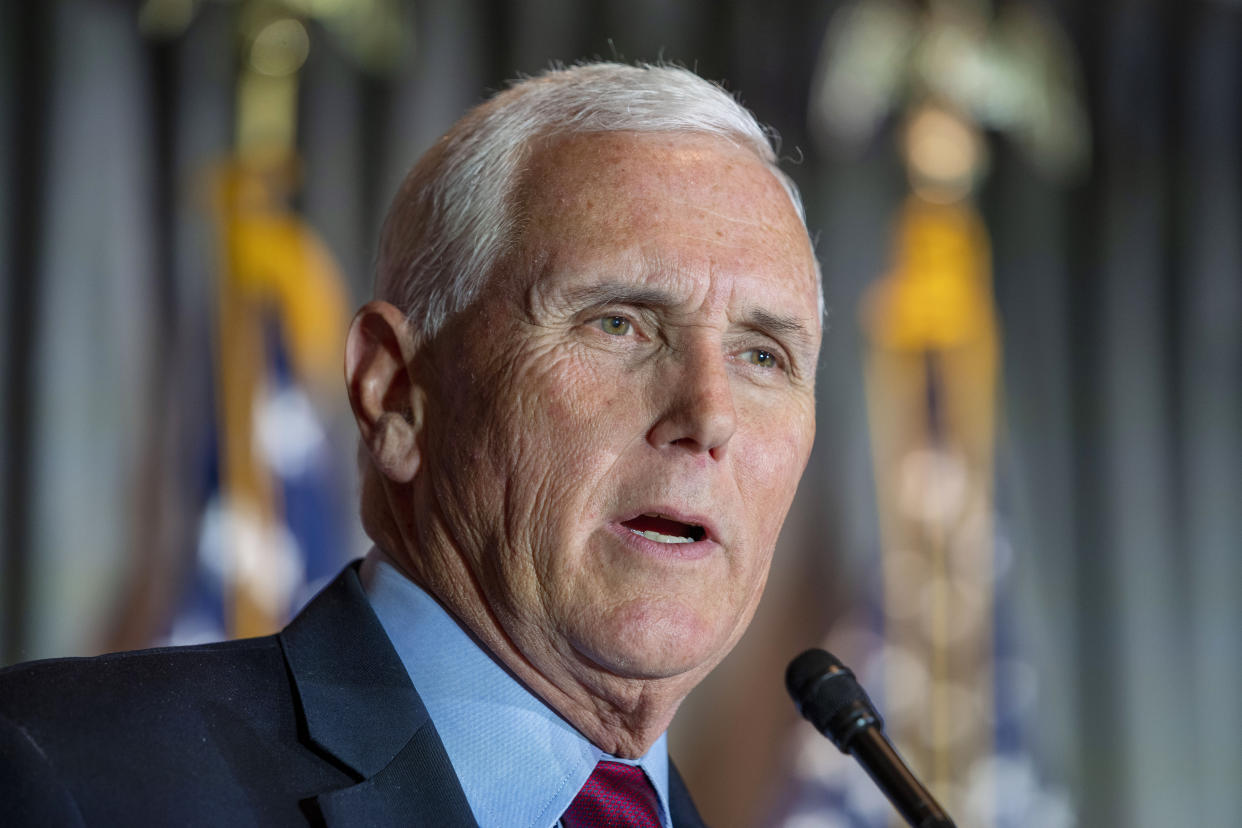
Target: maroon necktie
pixel 616 796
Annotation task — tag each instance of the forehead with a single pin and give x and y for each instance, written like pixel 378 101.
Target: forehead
pixel 681 201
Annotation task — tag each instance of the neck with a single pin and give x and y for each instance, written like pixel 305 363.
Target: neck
pixel 621 716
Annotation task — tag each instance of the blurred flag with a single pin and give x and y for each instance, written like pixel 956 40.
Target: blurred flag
pixel 936 645
pixel 933 641
pixel 278 511
pixel 275 518
pixel 275 522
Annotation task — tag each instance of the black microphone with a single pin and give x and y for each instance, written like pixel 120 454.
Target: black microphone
pixel 830 698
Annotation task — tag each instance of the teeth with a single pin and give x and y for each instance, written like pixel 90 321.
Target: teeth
pixel 658 538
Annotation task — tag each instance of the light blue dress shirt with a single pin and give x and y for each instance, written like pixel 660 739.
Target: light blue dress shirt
pixel 519 763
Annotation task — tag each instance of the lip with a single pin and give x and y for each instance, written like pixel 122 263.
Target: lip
pixel 693 550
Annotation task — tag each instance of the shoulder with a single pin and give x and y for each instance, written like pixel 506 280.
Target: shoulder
pixel 159 733
pixel 153 661
pixel 101 690
pixel 245 732
pixel 126 708
pixel 76 734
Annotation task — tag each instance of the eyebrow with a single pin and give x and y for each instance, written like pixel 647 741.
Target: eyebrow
pixel 778 326
pixel 610 293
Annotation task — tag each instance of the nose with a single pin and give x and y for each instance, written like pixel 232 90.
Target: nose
pixel 697 411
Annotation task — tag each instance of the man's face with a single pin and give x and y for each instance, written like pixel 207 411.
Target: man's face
pixel 619 424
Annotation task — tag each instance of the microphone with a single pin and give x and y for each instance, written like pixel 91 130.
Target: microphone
pixel 828 696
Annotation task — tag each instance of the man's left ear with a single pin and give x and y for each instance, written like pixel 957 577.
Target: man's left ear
pixel 386 397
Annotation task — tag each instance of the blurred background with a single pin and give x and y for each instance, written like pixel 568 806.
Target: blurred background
pixel 1021 521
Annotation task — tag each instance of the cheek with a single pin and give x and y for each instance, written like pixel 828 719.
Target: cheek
pixel 768 474
pixel 578 390
pixel 587 413
pixel 563 431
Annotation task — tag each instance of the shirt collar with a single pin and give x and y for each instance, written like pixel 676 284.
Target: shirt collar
pixel 519 763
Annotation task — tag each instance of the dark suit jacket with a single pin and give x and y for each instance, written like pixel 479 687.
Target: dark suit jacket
pixel 318 724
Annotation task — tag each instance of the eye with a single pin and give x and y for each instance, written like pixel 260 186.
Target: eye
pixel 615 325
pixel 760 357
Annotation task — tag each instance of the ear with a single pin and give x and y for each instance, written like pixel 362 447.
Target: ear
pixel 386 399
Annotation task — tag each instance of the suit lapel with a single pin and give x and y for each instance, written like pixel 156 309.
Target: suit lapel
pixel 417 788
pixel 360 709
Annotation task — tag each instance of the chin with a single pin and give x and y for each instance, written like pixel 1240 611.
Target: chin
pixel 653 640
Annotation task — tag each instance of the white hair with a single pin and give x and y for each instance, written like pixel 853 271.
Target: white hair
pixel 455 216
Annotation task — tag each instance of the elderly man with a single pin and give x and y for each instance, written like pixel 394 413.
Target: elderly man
pixel 585 394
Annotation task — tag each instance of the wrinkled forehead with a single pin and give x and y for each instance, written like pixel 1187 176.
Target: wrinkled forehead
pixel 572 169
pixel 622 190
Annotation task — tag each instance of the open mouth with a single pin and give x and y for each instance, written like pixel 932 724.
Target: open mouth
pixel 664 530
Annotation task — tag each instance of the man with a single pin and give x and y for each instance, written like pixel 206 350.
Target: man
pixel 585 399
